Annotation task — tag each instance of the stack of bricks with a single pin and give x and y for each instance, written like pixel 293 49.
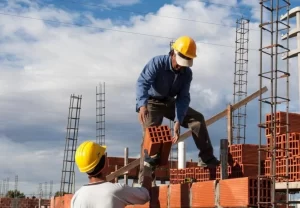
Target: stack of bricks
pixel 242 162
pixel 281 146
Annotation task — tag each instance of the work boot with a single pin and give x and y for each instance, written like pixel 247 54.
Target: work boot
pixel 213 162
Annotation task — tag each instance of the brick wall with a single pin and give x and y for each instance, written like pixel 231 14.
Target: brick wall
pixel 237 192
pixel 23 203
pixel 61 201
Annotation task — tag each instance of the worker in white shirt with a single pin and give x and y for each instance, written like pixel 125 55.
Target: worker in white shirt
pixel 91 158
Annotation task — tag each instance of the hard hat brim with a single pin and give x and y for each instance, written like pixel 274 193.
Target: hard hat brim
pixel 182 61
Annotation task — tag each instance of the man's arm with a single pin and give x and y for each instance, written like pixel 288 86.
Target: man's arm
pixel 146 78
pixel 141 195
pixel 133 195
pixel 183 100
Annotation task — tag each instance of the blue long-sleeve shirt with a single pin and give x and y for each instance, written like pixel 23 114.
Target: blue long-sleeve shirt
pixel 159 80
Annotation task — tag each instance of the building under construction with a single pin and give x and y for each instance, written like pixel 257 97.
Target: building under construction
pixel 265 174
pixel 250 175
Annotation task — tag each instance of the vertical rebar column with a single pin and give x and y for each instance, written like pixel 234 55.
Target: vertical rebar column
pixel 273 71
pixel 7 184
pixel 51 189
pixel 68 173
pixel 40 190
pixel 240 79
pixel 100 114
pixel 15 200
pixel 3 187
pixel 287 57
pixel 46 190
pixel 174 149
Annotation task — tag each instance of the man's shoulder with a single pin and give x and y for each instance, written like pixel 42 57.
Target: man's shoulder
pixel 189 71
pixel 160 59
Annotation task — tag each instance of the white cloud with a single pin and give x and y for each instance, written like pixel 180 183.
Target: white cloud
pixel 117 3
pixel 52 62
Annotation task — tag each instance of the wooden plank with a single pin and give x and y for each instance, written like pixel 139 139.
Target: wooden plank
pixel 187 134
pixel 224 112
pixel 123 170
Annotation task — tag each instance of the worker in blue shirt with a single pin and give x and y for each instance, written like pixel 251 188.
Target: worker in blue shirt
pixel 162 79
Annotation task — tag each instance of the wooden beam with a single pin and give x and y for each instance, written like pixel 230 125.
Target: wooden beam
pixel 185 135
pixel 123 169
pixel 224 112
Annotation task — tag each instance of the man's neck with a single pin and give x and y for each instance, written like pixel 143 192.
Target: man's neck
pixel 96 180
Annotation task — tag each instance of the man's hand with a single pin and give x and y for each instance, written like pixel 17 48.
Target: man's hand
pixel 143 114
pixel 176 132
pixel 151 161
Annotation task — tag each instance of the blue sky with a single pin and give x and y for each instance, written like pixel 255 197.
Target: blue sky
pixel 42 64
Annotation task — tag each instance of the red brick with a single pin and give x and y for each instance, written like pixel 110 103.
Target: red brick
pixel 244 170
pixel 159 196
pixel 179 195
pixel 158 139
pixel 244 154
pixel 203 194
pixel 152 142
pixel 232 196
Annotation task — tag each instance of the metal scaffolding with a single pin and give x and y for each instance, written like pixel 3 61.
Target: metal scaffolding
pixel 273 71
pixel 4 188
pixel 240 79
pixel 46 190
pixel 40 190
pixel 100 114
pixel 68 174
pixel 15 200
pixel 51 189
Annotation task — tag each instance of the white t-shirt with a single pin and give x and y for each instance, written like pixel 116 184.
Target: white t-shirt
pixel 108 195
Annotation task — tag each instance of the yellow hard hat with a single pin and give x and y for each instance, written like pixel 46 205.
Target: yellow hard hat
pixel 88 155
pixel 185 50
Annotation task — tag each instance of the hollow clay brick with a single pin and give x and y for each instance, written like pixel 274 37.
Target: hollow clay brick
pixel 202 194
pixel 151 141
pixel 165 151
pixel 179 195
pixel 232 196
pixel 244 154
pixel 159 196
pixel 158 140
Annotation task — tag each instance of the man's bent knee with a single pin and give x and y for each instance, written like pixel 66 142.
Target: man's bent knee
pixel 199 117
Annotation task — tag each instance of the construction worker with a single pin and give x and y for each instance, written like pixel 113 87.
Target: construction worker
pixel 91 159
pixel 162 79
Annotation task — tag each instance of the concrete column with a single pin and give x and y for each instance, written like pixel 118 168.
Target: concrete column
pixel 181 155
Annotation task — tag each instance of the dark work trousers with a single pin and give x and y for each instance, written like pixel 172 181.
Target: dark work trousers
pixel 194 120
